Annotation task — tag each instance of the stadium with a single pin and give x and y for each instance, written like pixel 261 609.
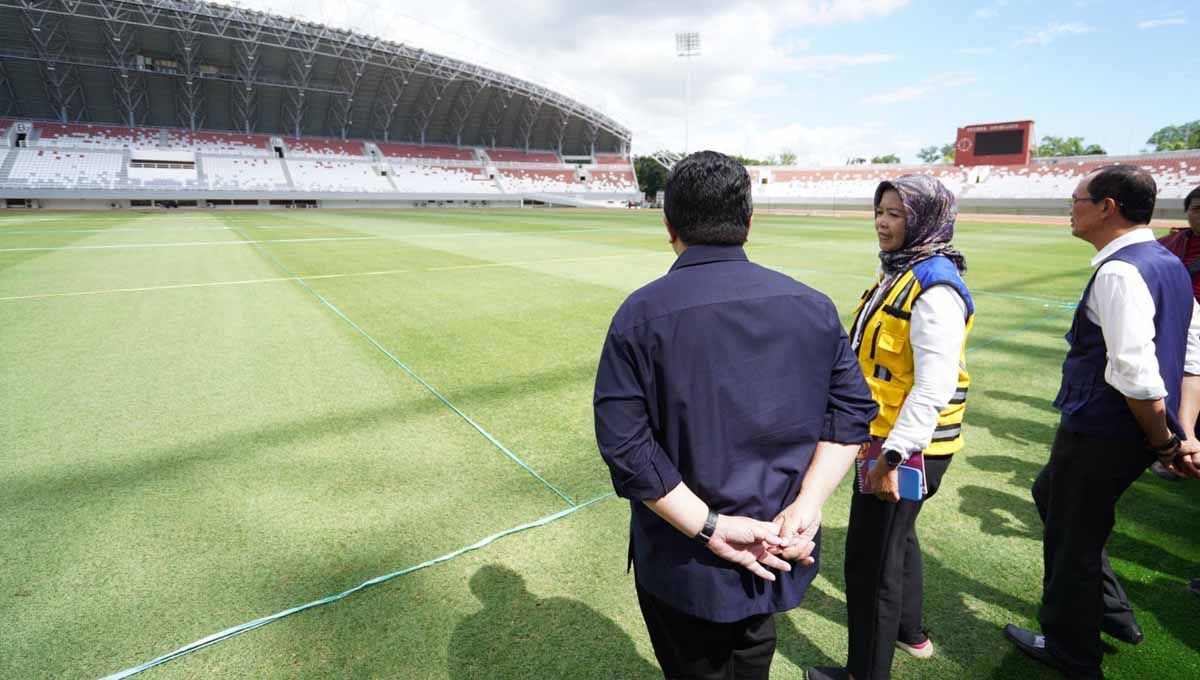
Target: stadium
pixel 356 440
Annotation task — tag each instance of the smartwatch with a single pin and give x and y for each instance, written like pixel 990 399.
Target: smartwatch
pixel 893 458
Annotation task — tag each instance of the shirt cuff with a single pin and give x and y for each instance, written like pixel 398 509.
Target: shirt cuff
pixel 1148 388
pixel 843 428
pixel 653 481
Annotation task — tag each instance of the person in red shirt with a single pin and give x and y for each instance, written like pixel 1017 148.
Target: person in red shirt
pixel 1185 244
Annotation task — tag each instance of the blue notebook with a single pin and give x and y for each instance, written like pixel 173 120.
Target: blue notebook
pixel 912 481
pixel 911 475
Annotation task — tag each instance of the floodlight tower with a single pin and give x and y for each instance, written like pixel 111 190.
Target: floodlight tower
pixel 687 45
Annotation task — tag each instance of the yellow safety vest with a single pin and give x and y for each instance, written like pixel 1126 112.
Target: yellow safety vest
pixel 886 358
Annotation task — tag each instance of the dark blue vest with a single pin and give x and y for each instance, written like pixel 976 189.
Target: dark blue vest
pixel 1091 406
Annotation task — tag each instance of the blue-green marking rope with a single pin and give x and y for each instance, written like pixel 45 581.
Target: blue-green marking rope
pixel 259 623
pixel 432 390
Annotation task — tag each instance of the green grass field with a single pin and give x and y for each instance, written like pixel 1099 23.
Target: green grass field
pixel 211 418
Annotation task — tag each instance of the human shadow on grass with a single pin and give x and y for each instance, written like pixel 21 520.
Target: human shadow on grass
pixel 1022 472
pixel 950 612
pixel 1021 431
pixel 1039 403
pixel 519 635
pixel 1000 513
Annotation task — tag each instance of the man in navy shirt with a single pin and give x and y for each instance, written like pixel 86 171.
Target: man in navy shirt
pixel 728 406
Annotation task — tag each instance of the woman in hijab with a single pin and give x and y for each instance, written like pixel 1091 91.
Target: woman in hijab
pixel 909 333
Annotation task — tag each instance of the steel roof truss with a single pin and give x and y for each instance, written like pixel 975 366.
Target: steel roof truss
pixel 497 107
pixel 350 69
pixel 461 110
pixel 189 90
pixel 529 116
pixel 237 24
pixel 48 35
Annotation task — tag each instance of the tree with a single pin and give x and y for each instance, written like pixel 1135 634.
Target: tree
pixel 787 157
pixel 856 161
pixel 930 154
pixel 1177 137
pixel 1066 146
pixel 937 154
pixel 650 175
pixel 890 158
pixel 752 161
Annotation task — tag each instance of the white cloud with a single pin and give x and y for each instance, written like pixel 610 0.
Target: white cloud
pixel 990 12
pixel 619 56
pixel 1159 23
pixel 1054 31
pixel 830 62
pixel 976 51
pixel 922 91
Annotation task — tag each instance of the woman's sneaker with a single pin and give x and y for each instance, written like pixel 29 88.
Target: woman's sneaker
pixel 921 650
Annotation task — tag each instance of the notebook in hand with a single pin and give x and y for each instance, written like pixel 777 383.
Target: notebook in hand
pixel 911 474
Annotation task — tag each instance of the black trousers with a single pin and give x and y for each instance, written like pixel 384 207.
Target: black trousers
pixel 688 647
pixel 884 583
pixel 1076 495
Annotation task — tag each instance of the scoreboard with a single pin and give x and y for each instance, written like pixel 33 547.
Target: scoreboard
pixel 994 144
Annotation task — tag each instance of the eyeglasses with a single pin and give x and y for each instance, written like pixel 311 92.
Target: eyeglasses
pixel 1075 199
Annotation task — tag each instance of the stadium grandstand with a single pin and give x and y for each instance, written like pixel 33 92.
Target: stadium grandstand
pixel 107 103
pixel 1036 187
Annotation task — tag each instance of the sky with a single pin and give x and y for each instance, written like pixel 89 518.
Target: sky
pixel 826 79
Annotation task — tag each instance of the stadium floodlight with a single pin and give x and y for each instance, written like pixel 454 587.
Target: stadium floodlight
pixel 687 45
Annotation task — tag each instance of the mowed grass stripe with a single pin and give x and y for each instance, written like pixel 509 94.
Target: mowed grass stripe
pixel 316 277
pixel 516 348
pixel 190 463
pixel 432 390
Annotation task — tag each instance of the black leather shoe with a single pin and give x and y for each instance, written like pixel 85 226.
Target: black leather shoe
pixel 1034 646
pixel 827 673
pixel 1131 634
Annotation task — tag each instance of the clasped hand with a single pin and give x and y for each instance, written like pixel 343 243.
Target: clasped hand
pixel 1184 461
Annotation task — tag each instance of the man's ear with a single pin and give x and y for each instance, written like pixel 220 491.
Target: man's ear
pixel 670 230
pixel 1110 207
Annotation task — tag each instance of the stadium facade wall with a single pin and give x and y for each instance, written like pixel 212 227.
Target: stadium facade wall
pixel 1165 208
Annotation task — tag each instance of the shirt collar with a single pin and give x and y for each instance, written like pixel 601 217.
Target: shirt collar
pixel 1139 235
pixel 695 255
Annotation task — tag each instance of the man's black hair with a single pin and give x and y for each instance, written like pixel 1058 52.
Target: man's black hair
pixel 1193 195
pixel 1131 187
pixel 707 200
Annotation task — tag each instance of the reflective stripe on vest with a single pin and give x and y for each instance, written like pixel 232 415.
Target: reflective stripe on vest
pixel 886 358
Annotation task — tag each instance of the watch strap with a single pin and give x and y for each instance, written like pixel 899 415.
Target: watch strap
pixel 710 526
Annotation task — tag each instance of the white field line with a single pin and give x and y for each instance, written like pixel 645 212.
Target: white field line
pixel 185 244
pixel 315 239
pixel 317 277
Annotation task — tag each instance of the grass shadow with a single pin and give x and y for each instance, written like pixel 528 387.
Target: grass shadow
pixel 1000 513
pixel 519 635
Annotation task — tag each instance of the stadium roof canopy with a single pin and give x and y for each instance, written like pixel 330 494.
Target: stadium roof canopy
pixel 199 65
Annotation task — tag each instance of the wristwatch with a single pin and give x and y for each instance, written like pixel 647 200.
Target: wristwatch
pixel 1167 446
pixel 706 533
pixel 893 458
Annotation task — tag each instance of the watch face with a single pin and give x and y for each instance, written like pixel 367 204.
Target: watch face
pixel 894 458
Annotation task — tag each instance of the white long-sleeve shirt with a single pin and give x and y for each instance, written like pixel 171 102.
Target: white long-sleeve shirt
pixel 1121 305
pixel 938 328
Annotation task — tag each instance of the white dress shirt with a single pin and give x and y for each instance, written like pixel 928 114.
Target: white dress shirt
pixel 1121 305
pixel 939 326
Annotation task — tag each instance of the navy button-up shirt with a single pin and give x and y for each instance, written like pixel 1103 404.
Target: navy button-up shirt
pixel 724 375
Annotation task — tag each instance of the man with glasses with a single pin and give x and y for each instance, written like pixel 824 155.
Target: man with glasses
pixel 1135 335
